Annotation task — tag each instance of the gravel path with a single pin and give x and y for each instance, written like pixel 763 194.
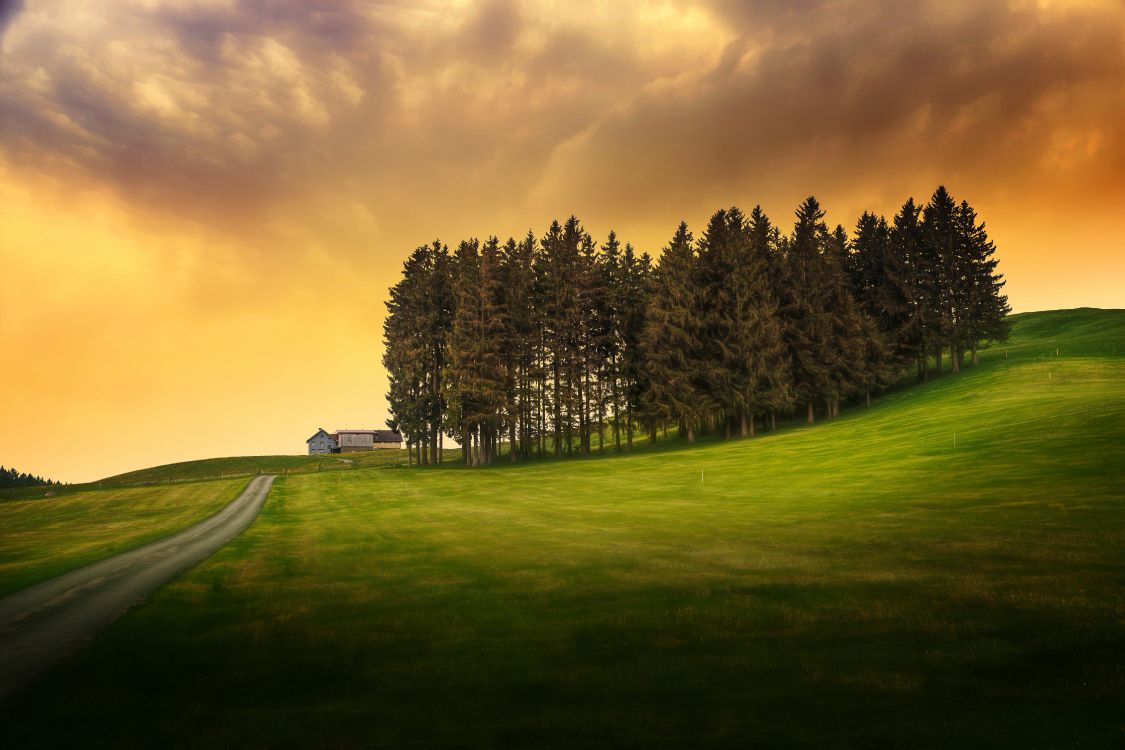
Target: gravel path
pixel 53 619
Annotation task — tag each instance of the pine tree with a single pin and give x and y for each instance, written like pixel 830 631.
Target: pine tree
pixel 521 344
pixel 986 308
pixel 943 265
pixel 676 374
pixel 807 324
pixel 773 392
pixel 907 251
pixel 881 280
pixel 722 357
pixel 633 295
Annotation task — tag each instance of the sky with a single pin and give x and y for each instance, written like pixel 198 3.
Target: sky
pixel 202 203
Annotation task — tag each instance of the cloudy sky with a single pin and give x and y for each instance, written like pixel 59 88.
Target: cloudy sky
pixel 203 203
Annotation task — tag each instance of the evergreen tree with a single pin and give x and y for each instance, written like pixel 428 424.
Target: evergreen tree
pixel 773 385
pixel 808 325
pixel 985 306
pixel 632 298
pixel 676 374
pixel 944 275
pixel 906 250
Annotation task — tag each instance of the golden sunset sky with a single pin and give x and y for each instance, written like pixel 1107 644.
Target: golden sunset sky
pixel 202 204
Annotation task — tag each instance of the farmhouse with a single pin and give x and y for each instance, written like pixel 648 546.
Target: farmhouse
pixel 350 441
pixel 322 442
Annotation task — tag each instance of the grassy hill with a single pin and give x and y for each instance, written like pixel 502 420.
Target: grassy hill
pixel 40 539
pixel 870 581
pixel 215 468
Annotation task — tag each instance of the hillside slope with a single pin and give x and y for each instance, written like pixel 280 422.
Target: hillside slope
pixel 871 581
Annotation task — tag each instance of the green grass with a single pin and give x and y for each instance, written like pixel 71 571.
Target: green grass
pixel 211 468
pixel 861 582
pixel 40 539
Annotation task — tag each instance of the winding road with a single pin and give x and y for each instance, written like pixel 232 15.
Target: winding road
pixel 53 619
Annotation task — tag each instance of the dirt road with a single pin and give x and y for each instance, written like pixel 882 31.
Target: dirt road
pixel 53 619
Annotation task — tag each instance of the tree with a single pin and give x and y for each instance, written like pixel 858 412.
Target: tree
pixel 808 326
pixel 906 249
pixel 985 307
pixel 477 375
pixel 944 276
pixel 632 297
pixel 676 374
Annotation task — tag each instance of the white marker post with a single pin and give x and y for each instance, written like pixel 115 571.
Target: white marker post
pixel 955 441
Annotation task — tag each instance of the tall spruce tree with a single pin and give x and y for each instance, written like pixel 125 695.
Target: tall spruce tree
pixel 676 372
pixel 807 322
pixel 633 296
pixel 942 255
pixel 773 387
pixel 907 249
pixel 985 306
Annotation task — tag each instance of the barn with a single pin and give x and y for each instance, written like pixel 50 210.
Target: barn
pixel 350 441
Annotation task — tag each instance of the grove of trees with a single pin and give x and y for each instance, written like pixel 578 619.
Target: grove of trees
pixel 556 345
pixel 12 478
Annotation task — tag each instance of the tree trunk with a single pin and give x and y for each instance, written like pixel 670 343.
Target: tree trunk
pixel 773 421
pixel 828 408
pixel 937 359
pixel 810 416
pixel 744 427
pixel 973 349
pixel 751 421
pixel 690 434
pixel 867 397
pixel 629 425
pixel 955 355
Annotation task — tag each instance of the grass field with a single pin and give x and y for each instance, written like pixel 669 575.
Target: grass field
pixel 211 468
pixel 42 538
pixel 861 582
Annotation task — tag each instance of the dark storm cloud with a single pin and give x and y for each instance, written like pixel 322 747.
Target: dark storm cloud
pixel 223 111
pixel 976 92
pixel 8 11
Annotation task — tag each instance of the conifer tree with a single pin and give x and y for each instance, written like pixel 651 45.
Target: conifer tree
pixel 906 250
pixel 774 382
pixel 633 296
pixel 986 307
pixel 676 376
pixel 808 326
pixel 942 257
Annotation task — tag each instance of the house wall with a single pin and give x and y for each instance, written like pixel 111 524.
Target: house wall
pixel 388 446
pixel 321 444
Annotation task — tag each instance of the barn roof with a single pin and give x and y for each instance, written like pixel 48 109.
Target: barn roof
pixel 380 436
